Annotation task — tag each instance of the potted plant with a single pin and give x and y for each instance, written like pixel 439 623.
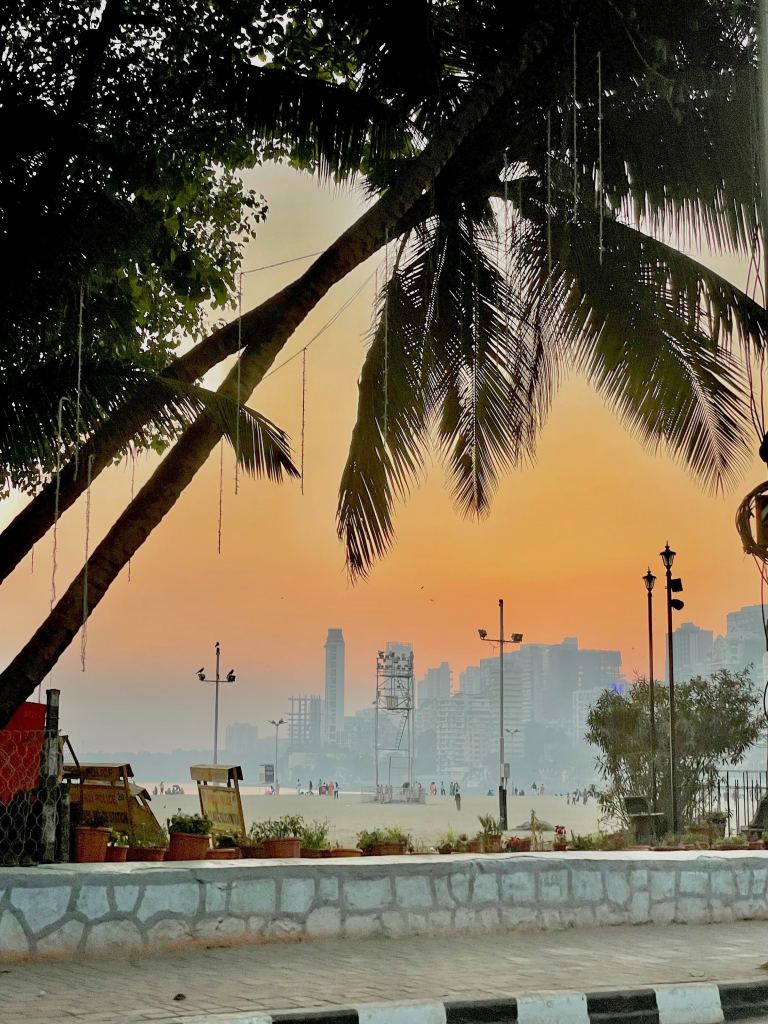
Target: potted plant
pixel 117 851
pixel 282 836
pixel 579 842
pixel 731 843
pixel 393 842
pixel 226 848
pixel 718 819
pixel 314 840
pixel 518 844
pixel 252 845
pixel 345 851
pixel 491 833
pixel 474 845
pixel 189 835
pixel 383 842
pixel 146 843
pixel 560 842
pixel 448 842
pixel 91 839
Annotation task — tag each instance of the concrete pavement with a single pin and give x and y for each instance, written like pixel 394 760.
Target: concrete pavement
pixel 343 973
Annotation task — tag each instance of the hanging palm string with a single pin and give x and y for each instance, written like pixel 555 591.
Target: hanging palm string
pixel 84 631
pixel 600 196
pixel 133 485
pixel 303 410
pixel 507 265
pixel 575 153
pixel 221 489
pixel 79 376
pixel 57 493
pixel 549 201
pixel 239 350
pixel 386 333
pixel 475 333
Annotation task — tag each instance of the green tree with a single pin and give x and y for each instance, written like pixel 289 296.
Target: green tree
pixel 481 322
pixel 718 720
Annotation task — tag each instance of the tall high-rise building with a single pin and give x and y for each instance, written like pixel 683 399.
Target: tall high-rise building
pixel 436 684
pixel 304 720
pixel 692 647
pixel 334 685
pixel 240 741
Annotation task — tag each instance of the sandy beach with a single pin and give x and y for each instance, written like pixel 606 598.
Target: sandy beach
pixel 425 822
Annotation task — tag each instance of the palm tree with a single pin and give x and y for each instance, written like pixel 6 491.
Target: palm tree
pixel 473 352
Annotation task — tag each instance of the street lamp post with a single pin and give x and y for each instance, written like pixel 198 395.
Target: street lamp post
pixel 515 638
pixel 277 724
pixel 674 586
pixel 229 678
pixel 649 579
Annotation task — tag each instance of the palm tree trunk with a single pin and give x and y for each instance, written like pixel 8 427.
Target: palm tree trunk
pixel 393 213
pixel 268 331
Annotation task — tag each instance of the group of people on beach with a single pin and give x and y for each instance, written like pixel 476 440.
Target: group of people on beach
pixel 174 790
pixel 327 788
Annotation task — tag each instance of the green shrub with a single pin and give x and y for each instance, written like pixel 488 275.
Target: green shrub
pixel 190 824
pixel 491 826
pixel 95 820
pixel 146 837
pixel 117 838
pixel 314 836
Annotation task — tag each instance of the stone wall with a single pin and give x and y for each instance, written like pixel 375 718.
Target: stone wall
pixel 62 910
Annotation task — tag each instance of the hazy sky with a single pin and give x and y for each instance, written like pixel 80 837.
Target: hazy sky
pixel 566 545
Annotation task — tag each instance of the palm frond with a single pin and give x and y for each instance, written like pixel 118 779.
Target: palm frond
pixel 459 361
pixel 29 419
pixel 637 326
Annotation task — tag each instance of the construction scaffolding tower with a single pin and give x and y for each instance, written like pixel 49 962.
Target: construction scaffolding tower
pixel 395 695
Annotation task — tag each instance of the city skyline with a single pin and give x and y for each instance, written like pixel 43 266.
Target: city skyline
pixel 280 577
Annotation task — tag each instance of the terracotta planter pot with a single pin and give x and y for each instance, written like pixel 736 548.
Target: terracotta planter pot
pixel 186 846
pixel 314 854
pixel 491 844
pixel 345 851
pixel 144 853
pixel 253 852
pixel 389 849
pixel 560 847
pixel 223 853
pixel 523 847
pixel 726 847
pixel 445 849
pixel 474 846
pixel 282 848
pixel 91 844
pixel 117 854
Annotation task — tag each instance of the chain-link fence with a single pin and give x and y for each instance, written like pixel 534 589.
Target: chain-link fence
pixel 33 812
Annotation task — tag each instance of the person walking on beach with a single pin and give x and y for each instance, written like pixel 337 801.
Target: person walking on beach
pixel 336 790
pixel 457 795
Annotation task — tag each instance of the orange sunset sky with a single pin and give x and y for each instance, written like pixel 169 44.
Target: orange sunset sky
pixel 566 544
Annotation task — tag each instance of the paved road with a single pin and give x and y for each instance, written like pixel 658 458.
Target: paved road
pixel 347 973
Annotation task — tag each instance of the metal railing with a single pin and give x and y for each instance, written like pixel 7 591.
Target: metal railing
pixel 737 793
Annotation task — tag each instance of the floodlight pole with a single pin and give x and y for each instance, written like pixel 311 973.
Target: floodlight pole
pixel 216 709
pixel 667 557
pixel 502 779
pixel 514 638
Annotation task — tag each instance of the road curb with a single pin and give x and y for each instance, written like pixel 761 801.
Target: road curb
pixel 702 1003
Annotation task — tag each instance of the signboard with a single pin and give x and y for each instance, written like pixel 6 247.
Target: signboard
pixel 106 789
pixel 219 792
pixel 267 774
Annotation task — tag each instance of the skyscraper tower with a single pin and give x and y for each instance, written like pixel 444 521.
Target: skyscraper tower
pixel 334 685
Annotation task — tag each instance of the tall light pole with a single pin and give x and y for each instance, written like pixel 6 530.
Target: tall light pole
pixel 649 579
pixel 674 586
pixel 515 638
pixel 229 678
pixel 277 724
